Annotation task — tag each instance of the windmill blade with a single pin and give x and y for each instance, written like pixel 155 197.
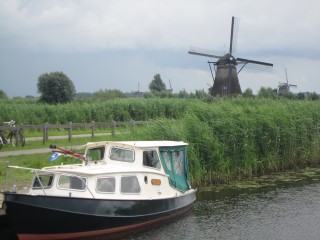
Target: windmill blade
pixel 243 60
pixel 170 85
pixel 211 70
pixel 202 52
pixel 229 81
pixel 234 35
pixel 254 67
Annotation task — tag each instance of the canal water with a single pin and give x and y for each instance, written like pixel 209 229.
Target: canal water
pixel 282 207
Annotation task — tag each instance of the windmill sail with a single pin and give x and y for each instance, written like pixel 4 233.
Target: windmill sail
pixel 234 35
pixel 243 60
pixel 234 31
pixel 203 52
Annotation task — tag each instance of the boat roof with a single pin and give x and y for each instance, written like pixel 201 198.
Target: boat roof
pixel 163 143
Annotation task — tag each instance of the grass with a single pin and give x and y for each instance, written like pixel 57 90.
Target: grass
pixel 24 177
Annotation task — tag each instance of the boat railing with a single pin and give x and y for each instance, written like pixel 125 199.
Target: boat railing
pixel 36 172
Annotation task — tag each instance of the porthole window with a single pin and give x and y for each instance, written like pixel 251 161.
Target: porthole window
pixel 146 179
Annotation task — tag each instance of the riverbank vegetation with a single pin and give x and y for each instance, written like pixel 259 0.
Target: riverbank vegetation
pixel 240 139
pixel 229 138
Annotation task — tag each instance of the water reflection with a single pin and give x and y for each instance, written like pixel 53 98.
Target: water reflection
pixel 284 210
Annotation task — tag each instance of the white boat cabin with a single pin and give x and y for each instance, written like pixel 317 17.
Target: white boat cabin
pixel 120 170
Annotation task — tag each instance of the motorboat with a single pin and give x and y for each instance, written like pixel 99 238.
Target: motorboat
pixel 116 188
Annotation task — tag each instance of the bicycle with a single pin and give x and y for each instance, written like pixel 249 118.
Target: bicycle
pixel 16 137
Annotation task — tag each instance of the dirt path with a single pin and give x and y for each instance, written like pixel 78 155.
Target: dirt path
pixel 33 151
pixel 46 150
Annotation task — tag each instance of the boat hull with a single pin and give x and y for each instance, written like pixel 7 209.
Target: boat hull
pixel 49 217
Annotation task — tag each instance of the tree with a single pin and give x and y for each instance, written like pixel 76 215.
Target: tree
pixel 3 95
pixel 248 93
pixel 183 94
pixel 313 96
pixel 267 93
pixel 55 87
pixel 108 94
pixel 201 94
pixel 157 85
pixel 301 96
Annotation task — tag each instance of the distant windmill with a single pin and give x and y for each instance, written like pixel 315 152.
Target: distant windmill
pixel 226 80
pixel 285 87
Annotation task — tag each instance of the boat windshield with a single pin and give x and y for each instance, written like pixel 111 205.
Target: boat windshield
pixel 43 180
pixel 96 153
pixel 151 159
pixel 121 154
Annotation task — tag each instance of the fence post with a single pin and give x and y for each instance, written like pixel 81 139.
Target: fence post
pixel 132 123
pixel 18 135
pixel 113 126
pixel 92 129
pixel 45 133
pixel 70 131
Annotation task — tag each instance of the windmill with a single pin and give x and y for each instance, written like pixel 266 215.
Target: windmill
pixel 226 80
pixel 285 87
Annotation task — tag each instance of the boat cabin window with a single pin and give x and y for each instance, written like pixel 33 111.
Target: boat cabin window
pixel 130 184
pixel 121 154
pixel 151 159
pixel 45 180
pixel 72 182
pixel 106 185
pixel 95 154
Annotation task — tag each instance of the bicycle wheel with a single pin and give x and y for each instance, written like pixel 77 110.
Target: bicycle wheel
pixel 22 139
pixel 14 139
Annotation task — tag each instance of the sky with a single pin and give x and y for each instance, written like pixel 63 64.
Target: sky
pixel 122 44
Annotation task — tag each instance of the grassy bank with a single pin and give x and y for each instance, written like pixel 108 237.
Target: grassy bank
pixel 228 138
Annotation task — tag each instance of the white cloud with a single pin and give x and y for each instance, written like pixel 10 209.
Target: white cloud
pixel 282 32
pixel 160 24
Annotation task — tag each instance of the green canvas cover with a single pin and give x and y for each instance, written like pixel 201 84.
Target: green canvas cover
pixel 175 163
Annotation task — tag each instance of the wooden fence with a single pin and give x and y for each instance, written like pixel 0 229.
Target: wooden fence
pixel 70 126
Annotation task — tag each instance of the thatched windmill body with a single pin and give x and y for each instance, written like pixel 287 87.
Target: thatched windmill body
pixel 226 80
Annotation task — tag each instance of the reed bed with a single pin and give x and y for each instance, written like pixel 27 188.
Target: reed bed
pixel 240 139
pixel 228 138
pixel 98 111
